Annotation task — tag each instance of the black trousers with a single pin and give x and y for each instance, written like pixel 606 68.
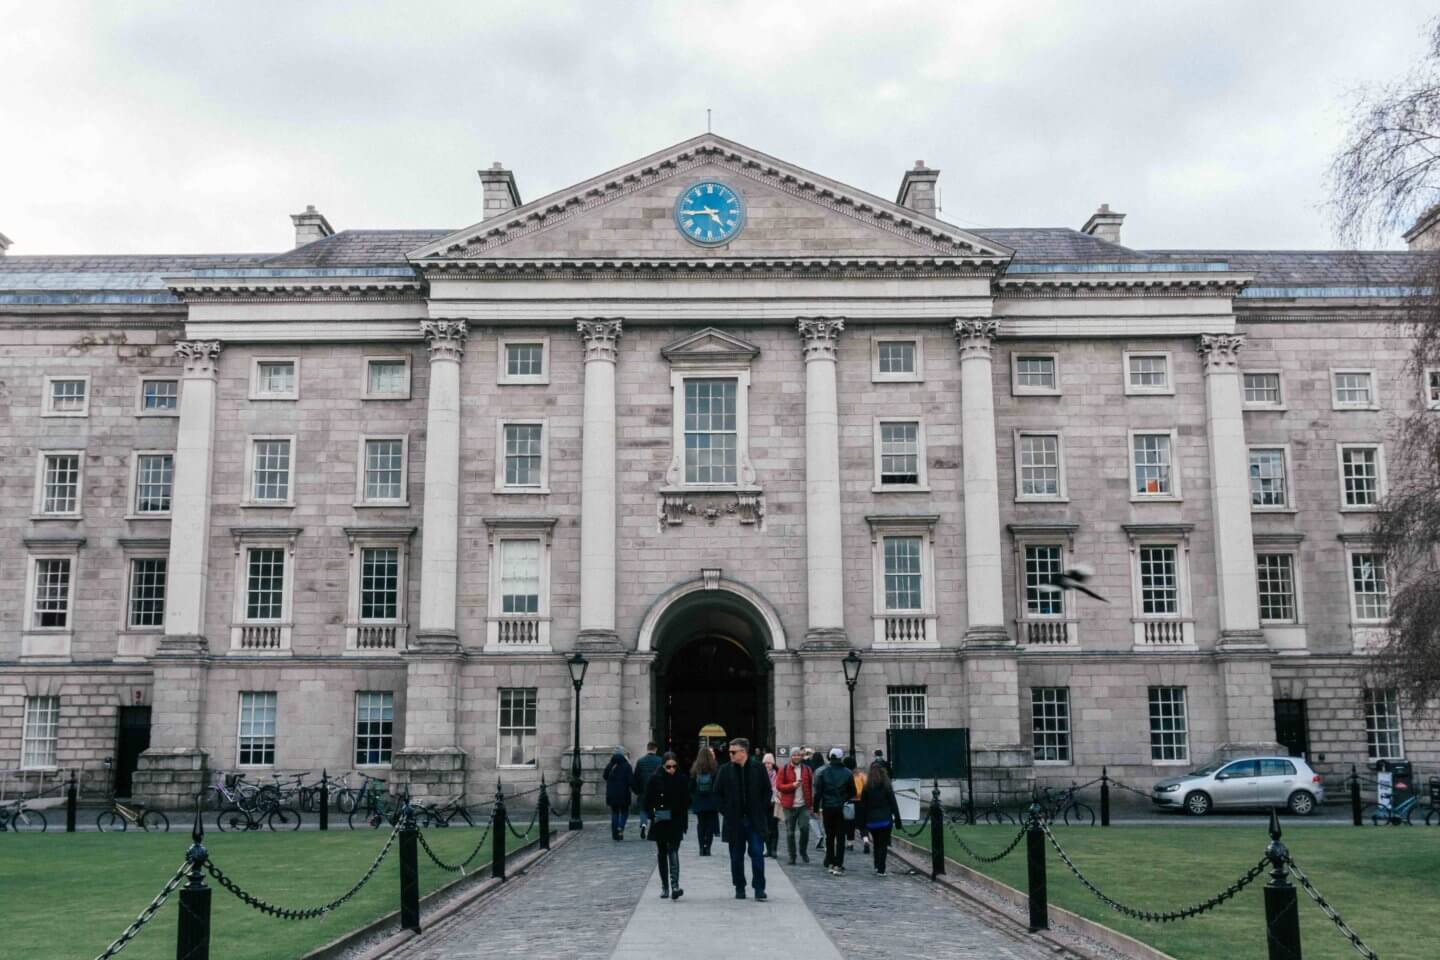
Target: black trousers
pixel 834 837
pixel 667 856
pixel 880 838
pixel 707 826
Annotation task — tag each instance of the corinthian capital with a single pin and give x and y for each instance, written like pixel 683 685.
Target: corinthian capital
pixel 199 356
pixel 601 339
pixel 1220 351
pixel 447 338
pixel 975 335
pixel 819 336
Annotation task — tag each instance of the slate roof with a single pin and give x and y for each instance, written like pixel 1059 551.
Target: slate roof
pixel 91 279
pixel 1058 245
pixel 355 247
pixel 1312 268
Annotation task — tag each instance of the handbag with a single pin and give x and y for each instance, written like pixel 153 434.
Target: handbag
pixel 848 810
pixel 662 816
pixel 777 811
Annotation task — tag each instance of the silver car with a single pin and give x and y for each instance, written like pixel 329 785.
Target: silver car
pixel 1246 782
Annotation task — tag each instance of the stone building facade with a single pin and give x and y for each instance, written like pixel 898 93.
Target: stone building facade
pixel 357 504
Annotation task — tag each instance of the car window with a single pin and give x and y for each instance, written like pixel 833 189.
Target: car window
pixel 1277 768
pixel 1205 771
pixel 1242 768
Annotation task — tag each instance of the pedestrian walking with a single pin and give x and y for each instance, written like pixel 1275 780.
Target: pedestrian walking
pixel 879 812
pixel 834 798
pixel 815 761
pixel 618 782
pixel 855 824
pixel 645 768
pixel 743 792
pixel 772 831
pixel 667 801
pixel 702 799
pixel 796 786
pixel 880 759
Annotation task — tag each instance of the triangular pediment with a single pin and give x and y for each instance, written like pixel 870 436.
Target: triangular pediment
pixel 710 344
pixel 791 213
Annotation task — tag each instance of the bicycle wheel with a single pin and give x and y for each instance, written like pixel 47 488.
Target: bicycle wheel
pixel 232 820
pixel 1432 816
pixel 1376 814
pixel 283 818
pixel 32 820
pixel 463 814
pixel 362 819
pixel 109 821
pixel 1079 815
pixel 996 817
pixel 155 820
pixel 345 800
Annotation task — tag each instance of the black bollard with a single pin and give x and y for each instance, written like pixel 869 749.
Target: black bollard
pixel 71 799
pixel 1035 871
pixel 409 870
pixel 1104 797
pixel 544 802
pixel 324 800
pixel 937 833
pixel 1354 796
pixel 1282 916
pixel 192 931
pixel 497 833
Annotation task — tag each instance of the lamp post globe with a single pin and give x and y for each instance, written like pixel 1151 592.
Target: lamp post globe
pixel 851 665
pixel 578 665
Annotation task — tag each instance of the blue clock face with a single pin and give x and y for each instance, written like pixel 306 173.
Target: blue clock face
pixel 709 213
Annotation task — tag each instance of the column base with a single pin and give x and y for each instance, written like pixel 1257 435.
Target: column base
pixel 436 642
pixel 825 638
pixel 1242 641
pixel 171 779
pixel 598 641
pixel 430 774
pixel 183 645
pixel 986 638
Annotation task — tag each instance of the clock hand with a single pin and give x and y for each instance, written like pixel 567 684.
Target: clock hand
pixel 703 212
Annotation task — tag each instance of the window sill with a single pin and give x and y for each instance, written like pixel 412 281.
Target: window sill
pixel 523 382
pixel 1023 499
pixel 522 491
pixel 1282 510
pixel 170 414
pixel 1155 498
pixel 1354 408
pixel 39 517
pixel 148 516
pixel 385 396
pixel 684 489
pixel 900 488
pixel 1264 408
pixel 1170 763
pixel 518 766
pixel 896 378
pixel 1367 509
pixel 1054 763
pixel 1034 392
pixel 380 504
pixel 286 397
pixel 1149 392
pixel 262 505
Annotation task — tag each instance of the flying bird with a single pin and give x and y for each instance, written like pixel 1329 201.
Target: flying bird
pixel 1073 579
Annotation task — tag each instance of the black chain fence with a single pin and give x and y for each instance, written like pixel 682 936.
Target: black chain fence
pixel 463 864
pixel 1341 926
pixel 146 915
pixel 983 858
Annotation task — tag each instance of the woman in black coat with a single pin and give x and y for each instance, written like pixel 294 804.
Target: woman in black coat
pixel 667 803
pixel 619 778
pixel 878 812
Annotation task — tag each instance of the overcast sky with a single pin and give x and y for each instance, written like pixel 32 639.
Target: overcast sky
pixel 130 127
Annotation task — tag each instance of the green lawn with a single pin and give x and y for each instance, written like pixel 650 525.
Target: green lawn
pixel 68 896
pixel 1382 880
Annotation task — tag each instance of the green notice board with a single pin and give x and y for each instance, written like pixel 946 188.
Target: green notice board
pixel 931 754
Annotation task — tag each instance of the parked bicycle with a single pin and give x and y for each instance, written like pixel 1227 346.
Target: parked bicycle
pixel 17 816
pixel 120 816
pixel 443 814
pixel 244 806
pixel 1061 805
pixel 347 798
pixel 1378 813
pixel 374 806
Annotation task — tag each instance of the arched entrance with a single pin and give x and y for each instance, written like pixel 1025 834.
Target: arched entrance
pixel 712 665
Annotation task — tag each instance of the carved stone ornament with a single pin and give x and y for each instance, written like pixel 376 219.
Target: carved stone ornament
pixel 975 336
pixel 601 339
pixel 819 337
pixel 1220 351
pixel 747 506
pixel 199 356
pixel 447 338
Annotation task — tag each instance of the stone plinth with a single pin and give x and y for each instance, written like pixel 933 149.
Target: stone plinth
pixel 431 775
pixel 171 779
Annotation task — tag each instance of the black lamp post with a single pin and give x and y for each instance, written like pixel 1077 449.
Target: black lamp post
pixel 578 665
pixel 852 663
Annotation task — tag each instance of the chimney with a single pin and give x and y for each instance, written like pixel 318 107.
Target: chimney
pixel 1423 235
pixel 1104 223
pixel 310 226
pixel 500 191
pixel 917 189
pixel 4 244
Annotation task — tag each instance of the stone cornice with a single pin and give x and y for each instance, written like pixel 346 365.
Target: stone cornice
pixel 1065 286
pixel 696 268
pixel 306 289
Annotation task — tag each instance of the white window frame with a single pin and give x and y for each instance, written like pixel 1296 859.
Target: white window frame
pixel 917 376
pixel 38 511
pixel 895 695
pixel 1150 724
pixel 355 728
pixel 1063 494
pixel 47 405
pixel 534 628
pixel 128 625
pixel 275 733
pixel 922 474
pixel 1390 698
pixel 1335 403
pixel 1275 372
pixel 1068 731
pixel 139 643
pixel 378 637
pixel 1296 598
pixel 365 391
pixel 534 731
pixel 1182 634
pixel 248 497
pixel 51 726
pixel 361 463
pixel 132 501
pixel 1381 486
pixel 1132 390
pixel 1285 461
pixel 49 643
pixel 1019 390
pixel 917 629
pixel 263 538
pixel 544 424
pixel 1175 493
pixel 744 470
pixel 503 375
pixel 1351 551
pixel 140 410
pixel 1432 402
pixel 1038 631
pixel 255 391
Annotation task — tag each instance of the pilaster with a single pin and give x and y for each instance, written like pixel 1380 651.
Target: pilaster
pixel 985 601
pixel 601 338
pixel 440 544
pixel 823 550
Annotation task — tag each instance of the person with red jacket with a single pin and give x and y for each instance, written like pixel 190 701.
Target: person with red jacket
pixel 796 785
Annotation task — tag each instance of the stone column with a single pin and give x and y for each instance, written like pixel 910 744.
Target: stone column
pixel 825 580
pixel 172 770
pixel 985 599
pixel 1242 655
pixel 597 487
pixel 432 763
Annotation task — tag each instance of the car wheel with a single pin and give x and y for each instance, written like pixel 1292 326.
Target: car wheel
pixel 1301 803
pixel 1197 804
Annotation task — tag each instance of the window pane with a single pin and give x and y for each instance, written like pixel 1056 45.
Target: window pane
pixel 1353 389
pixel 159 394
pixel 1432 386
pixel 1267 478
pixel 1360 472
pixel 257 729
pixel 147 592
pixel 1382 725
pixel 520 576
pixel 897 356
pixel 1169 729
pixel 1159 583
pixel 384 469
pixel 711 434
pixel 41 731
pixel 272 470
pixel 1262 388
pixel 900 453
pixel 908 708
pixel 265 584
pixel 52 593
pixel 1149 371
pixel 902 573
pixel 523 454
pixel 1039 466
pixel 67 396
pixel 379 583
pixel 524 359
pixel 374 726
pixel 1367 580
pixel 385 376
pixel 62 484
pixel 276 376
pixel 1152 463
pixel 1042 565
pixel 1036 372
pixel 1050 723
pixel 154 479
pixel 517 726
pixel 1275 575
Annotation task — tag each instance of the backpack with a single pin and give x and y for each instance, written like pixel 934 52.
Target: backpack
pixel 704 783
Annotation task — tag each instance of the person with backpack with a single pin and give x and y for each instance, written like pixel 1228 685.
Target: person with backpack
pixel 796 785
pixel 878 812
pixel 667 801
pixel 645 768
pixel 834 797
pixel 618 778
pixel 702 799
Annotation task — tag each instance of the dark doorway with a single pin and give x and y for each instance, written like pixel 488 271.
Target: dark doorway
pixel 1291 728
pixel 132 739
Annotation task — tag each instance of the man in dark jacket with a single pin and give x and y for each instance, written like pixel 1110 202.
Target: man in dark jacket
pixel 834 787
pixel 645 768
pixel 743 791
